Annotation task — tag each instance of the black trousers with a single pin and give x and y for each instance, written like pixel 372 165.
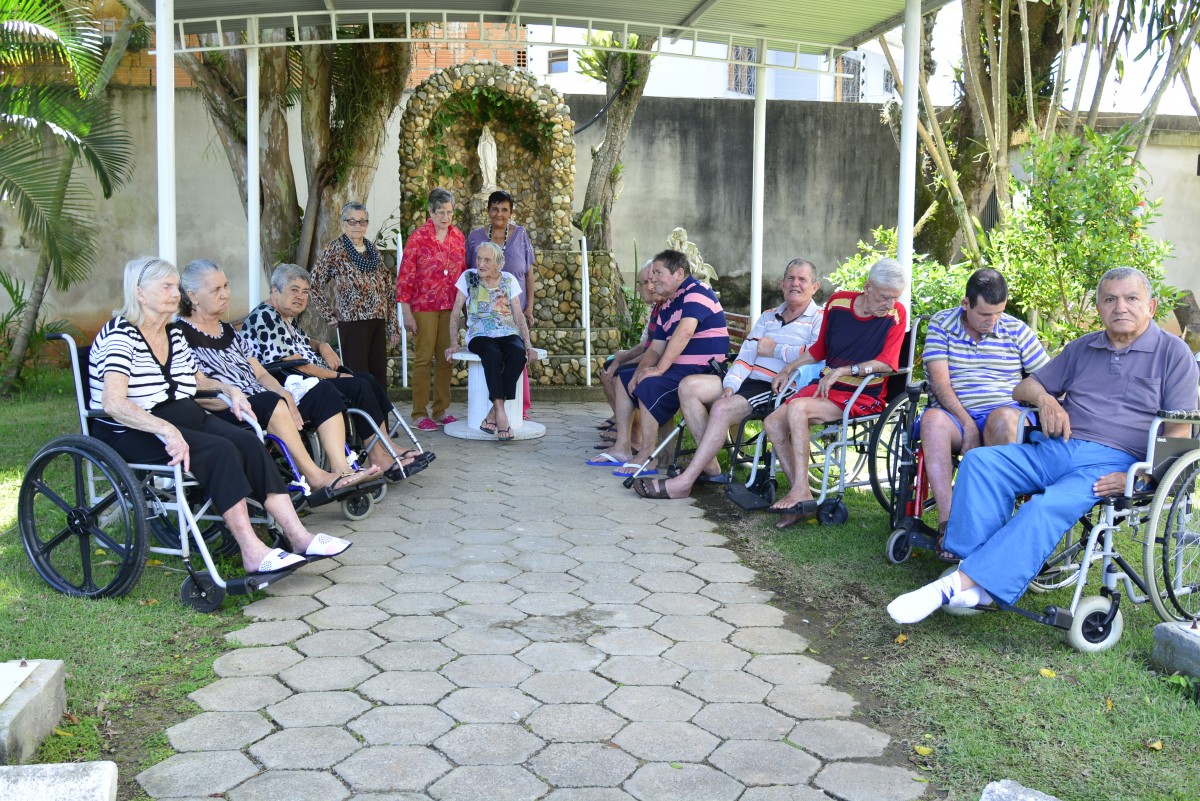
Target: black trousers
pixel 321 402
pixel 362 391
pixel 228 460
pixel 503 360
pixel 364 347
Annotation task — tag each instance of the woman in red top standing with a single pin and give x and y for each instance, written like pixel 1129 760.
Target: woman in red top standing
pixel 434 257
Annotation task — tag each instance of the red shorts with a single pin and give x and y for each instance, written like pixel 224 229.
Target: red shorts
pixel 864 406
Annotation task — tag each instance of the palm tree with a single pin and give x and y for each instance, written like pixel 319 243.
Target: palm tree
pixel 52 72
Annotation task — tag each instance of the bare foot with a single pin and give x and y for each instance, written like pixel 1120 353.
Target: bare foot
pixel 790 500
pixel 789 520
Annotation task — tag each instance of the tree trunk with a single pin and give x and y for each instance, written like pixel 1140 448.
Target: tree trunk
pixel 606 158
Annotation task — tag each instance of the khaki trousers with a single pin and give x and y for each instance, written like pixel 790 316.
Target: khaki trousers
pixel 433 337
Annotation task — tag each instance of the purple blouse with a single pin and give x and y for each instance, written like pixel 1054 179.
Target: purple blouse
pixel 518 251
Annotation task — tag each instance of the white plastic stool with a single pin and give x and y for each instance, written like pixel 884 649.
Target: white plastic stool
pixel 479 404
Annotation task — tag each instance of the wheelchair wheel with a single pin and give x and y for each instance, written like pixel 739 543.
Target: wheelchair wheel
pixel 358 507
pixel 379 493
pixel 1061 568
pixel 1173 538
pixel 82 518
pixel 201 593
pixel 833 513
pixel 1088 633
pixel 884 452
pixel 899 547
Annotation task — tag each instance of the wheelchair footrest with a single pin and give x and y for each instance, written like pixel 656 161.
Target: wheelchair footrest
pixel 746 498
pixel 244 585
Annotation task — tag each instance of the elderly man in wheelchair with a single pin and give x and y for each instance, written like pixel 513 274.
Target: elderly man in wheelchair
pixel 1097 402
pixel 144 377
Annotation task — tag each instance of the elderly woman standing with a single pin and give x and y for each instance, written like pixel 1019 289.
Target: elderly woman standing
pixel 221 354
pixel 434 257
pixel 365 316
pixel 143 376
pixel 271 334
pixel 514 242
pixel 496 331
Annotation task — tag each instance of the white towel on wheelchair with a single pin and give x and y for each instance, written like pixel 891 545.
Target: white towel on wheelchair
pixel 299 385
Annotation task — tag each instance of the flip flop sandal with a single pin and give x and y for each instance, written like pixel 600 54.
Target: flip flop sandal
pixel 607 425
pixel 340 488
pixel 500 435
pixel 604 460
pixel 488 427
pixel 652 488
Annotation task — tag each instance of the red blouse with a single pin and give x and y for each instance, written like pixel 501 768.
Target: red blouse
pixel 429 268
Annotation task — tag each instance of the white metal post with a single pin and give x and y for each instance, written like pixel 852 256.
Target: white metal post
pixel 759 183
pixel 586 311
pixel 164 68
pixel 908 144
pixel 400 314
pixel 253 170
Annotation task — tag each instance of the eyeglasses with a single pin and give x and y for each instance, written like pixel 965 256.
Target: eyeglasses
pixel 356 223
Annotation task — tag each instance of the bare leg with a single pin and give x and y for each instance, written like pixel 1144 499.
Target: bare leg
pixel 940 438
pixel 725 412
pixel 622 450
pixel 606 381
pixel 282 426
pixel 499 414
pixel 696 394
pixel 1001 426
pixel 254 550
pixel 332 434
pixel 802 413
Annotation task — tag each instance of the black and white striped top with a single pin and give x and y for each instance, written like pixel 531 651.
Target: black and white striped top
pixel 225 358
pixel 120 347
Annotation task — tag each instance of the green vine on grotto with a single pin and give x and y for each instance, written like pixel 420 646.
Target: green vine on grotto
pixel 483 105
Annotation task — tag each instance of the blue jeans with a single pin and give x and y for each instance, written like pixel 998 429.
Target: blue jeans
pixel 1002 551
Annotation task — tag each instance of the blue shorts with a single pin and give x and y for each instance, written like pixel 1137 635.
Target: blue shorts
pixel 660 393
pixel 980 419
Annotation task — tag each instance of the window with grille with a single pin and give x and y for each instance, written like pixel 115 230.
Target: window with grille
pixel 558 61
pixel 849 80
pixel 743 77
pixel 889 82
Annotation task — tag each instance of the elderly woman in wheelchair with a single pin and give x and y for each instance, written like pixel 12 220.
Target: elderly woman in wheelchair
pixel 143 375
pixel 1100 442
pixel 222 355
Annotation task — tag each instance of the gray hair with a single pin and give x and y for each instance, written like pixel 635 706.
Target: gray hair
pixel 138 273
pixel 1123 274
pixel 801 263
pixel 887 273
pixel 353 205
pixel 497 252
pixel 285 273
pixel 438 197
pixel 191 279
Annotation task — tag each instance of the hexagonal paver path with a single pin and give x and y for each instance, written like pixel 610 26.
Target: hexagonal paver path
pixel 512 624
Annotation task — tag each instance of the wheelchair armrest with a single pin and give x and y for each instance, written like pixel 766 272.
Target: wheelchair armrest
pixel 285 366
pixel 1180 415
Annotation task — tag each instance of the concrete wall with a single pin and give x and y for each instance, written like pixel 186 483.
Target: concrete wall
pixel 831 176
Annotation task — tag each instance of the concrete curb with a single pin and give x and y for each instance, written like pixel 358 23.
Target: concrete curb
pixel 76 781
pixel 32 711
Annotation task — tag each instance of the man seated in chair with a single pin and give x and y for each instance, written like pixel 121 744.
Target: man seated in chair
pixel 711 405
pixel 691 332
pixel 862 334
pixel 974 356
pixel 1095 401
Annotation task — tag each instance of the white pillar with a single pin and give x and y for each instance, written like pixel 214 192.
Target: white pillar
pixel 164 67
pixel 586 310
pixel 253 181
pixel 759 183
pixel 908 143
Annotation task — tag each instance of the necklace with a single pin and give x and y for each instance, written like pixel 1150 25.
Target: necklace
pixel 503 244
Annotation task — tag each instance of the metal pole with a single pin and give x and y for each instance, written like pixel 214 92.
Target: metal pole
pixel 253 170
pixel 759 183
pixel 164 68
pixel 908 144
pixel 586 311
pixel 400 315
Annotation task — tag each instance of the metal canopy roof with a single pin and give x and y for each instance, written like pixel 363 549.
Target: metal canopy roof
pixel 813 27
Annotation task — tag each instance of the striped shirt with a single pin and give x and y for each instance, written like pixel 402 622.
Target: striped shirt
pixel 711 337
pixel 791 339
pixel 983 373
pixel 849 339
pixel 120 348
pixel 225 358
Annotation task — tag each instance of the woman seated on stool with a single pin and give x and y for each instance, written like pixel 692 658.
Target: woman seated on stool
pixel 143 375
pixel 203 299
pixel 495 334
pixel 271 334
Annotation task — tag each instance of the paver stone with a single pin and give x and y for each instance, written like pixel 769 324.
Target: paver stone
pixel 759 762
pixel 556 656
pixel 488 744
pixel 281 607
pixel 637 670
pixel 659 781
pixel 652 703
pixel 630 642
pixel 549 604
pixel 218 731
pixel 347 642
pixel 390 768
pixel 488 705
pixel 789 669
pixel 750 615
pixel 583 765
pixel 317 709
pixel 495 783
pixel 406 687
pixel 839 739
pixel 305 749
pixel 316 674
pixel 293 785
pixel 666 741
pixel 269 633
pixel 198 773
pixel 402 725
pixel 862 781
pixel 487 671
pixel 244 694
pixel 574 723
pixel 761 640
pixel 485 641
pixel 567 687
pixel 743 722
pixel 811 701
pixel 707 656
pixel 410 656
pixel 347 617
pixel 725 686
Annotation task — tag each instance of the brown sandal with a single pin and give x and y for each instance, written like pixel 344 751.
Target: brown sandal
pixel 653 488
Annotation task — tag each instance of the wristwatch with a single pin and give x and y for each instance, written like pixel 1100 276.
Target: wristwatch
pixel 855 370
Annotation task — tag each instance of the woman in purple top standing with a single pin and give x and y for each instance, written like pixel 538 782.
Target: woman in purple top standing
pixel 514 242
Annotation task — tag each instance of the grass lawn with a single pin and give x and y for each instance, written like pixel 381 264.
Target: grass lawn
pixel 130 661
pixel 992 696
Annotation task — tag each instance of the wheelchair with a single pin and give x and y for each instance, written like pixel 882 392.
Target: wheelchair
pixel 1164 521
pixel 87 518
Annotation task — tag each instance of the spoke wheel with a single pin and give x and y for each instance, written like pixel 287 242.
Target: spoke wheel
pixel 885 451
pixel 1173 539
pixel 82 518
